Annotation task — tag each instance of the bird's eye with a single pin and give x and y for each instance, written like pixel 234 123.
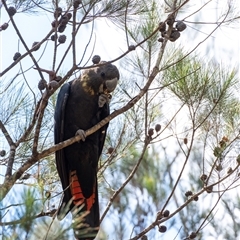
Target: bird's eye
pixel 102 74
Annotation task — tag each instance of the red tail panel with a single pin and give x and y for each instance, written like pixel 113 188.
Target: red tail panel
pixel 77 195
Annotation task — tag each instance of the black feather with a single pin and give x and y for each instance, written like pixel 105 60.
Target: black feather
pixel 77 108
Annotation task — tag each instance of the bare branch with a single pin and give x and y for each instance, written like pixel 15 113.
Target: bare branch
pixel 126 181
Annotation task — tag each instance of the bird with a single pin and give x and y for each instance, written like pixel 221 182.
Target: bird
pixel 81 104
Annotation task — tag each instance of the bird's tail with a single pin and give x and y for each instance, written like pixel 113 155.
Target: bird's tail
pixel 89 225
pixel 77 195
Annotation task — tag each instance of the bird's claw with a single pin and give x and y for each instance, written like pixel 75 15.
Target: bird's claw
pixel 103 98
pixel 81 133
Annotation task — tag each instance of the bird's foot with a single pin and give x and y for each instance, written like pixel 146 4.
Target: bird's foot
pixel 82 134
pixel 103 98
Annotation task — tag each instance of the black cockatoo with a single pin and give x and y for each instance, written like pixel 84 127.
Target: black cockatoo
pixel 81 104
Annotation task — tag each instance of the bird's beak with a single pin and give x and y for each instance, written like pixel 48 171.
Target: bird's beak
pixel 111 84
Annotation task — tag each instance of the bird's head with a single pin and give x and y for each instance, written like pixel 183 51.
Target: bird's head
pixel 103 78
pixel 110 76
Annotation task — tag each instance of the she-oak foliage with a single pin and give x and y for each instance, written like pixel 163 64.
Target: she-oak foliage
pixel 182 178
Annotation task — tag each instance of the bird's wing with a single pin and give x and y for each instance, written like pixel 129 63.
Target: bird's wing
pixel 91 203
pixel 59 117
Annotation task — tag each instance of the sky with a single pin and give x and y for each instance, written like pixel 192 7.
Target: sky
pixel 222 47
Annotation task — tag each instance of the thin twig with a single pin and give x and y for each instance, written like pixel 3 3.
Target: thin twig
pixel 126 181
pixel 23 41
pixel 186 55
pixel 40 115
pixel 31 125
pixel 159 218
pixel 70 44
pixel 125 23
pixel 74 36
pixel 41 214
pixel 6 134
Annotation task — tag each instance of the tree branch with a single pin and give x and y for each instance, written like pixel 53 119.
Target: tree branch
pixel 8 183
